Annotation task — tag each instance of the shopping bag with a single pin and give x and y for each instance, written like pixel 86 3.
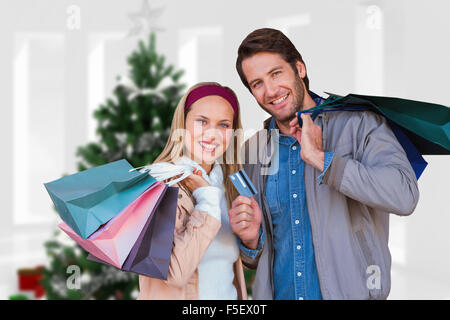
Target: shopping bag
pixel 150 255
pixel 427 125
pixel 113 241
pixel 167 172
pixel 420 127
pixel 90 198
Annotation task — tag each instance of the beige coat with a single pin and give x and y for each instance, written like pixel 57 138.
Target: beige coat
pixel 194 231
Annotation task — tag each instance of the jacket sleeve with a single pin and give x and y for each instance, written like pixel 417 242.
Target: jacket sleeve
pixel 194 231
pixel 380 176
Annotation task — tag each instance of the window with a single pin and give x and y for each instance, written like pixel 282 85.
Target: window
pixel 38 123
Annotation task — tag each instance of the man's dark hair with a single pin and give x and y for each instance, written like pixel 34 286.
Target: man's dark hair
pixel 268 40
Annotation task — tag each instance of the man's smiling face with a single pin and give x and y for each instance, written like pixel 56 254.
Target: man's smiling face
pixel 275 86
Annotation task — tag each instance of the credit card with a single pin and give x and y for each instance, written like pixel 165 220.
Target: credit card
pixel 243 184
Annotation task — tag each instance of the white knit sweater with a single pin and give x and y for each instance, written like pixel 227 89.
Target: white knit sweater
pixel 216 267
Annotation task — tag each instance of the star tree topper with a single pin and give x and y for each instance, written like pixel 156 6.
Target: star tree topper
pixel 145 20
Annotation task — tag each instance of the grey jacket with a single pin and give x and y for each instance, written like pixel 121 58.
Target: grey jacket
pixel 369 177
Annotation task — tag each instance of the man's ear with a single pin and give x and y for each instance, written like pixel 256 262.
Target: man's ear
pixel 301 69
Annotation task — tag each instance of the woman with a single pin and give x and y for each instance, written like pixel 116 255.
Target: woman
pixel 205 262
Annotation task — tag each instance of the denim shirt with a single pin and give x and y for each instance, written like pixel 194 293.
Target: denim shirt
pixel 294 269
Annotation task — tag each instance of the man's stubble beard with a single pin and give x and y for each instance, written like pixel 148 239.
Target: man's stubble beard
pixel 298 98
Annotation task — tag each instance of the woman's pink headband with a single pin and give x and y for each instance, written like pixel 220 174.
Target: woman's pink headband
pixel 212 90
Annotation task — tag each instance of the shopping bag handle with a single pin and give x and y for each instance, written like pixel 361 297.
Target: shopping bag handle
pixel 163 171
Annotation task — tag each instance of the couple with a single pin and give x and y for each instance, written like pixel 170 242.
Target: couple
pixel 318 227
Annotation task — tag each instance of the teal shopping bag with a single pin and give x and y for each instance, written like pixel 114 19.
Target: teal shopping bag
pixel 421 128
pixel 90 198
pixel 427 125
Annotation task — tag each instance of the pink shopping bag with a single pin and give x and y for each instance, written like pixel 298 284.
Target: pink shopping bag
pixel 113 241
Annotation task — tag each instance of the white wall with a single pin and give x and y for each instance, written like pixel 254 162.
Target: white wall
pixel 54 76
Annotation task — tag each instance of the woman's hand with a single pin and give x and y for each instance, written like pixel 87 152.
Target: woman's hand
pixel 195 180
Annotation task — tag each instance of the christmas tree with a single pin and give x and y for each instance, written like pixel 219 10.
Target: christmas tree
pixel 133 125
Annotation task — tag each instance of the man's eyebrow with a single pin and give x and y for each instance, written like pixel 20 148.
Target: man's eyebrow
pixel 251 82
pixel 269 72
pixel 275 68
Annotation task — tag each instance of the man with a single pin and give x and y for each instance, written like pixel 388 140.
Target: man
pixel 319 226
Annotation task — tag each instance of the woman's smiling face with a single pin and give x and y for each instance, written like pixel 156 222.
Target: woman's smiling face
pixel 209 126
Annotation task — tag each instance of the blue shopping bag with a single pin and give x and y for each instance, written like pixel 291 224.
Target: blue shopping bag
pixel 90 198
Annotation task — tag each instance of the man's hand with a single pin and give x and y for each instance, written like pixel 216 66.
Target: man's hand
pixel 245 220
pixel 310 139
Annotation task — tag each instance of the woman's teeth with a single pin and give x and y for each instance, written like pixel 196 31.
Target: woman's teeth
pixel 208 147
pixel 280 100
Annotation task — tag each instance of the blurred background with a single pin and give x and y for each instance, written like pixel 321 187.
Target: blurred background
pixel 61 60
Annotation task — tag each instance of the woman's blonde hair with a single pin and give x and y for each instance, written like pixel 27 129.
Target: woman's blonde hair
pixel 230 161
